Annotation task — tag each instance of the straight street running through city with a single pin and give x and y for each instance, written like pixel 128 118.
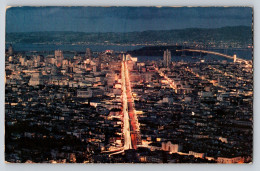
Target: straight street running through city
pixel 126 126
pixel 134 125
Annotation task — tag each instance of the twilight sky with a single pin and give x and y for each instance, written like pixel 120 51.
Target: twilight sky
pixel 123 19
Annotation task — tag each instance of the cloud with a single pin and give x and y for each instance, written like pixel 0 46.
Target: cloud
pixel 118 19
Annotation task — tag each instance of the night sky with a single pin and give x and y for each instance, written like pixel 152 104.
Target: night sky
pixel 123 19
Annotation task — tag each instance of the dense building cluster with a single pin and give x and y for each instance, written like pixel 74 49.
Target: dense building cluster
pixel 202 108
pixel 63 108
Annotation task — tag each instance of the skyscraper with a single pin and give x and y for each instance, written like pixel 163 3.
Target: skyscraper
pixel 167 58
pixel 10 50
pixel 234 58
pixel 58 57
pixel 88 54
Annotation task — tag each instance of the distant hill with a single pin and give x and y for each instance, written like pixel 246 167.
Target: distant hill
pixel 238 34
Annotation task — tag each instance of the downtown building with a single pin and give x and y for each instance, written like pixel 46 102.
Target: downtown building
pixel 167 58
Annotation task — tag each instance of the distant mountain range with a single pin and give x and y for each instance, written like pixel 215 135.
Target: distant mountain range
pixel 238 34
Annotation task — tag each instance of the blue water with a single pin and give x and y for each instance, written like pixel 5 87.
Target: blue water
pixel 241 53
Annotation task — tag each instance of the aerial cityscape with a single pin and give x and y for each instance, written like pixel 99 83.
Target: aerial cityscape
pixel 129 85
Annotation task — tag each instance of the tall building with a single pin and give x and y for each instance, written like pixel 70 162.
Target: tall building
pixel 58 57
pixel 234 58
pixel 22 60
pixel 88 54
pixel 10 50
pixel 36 61
pixel 167 58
